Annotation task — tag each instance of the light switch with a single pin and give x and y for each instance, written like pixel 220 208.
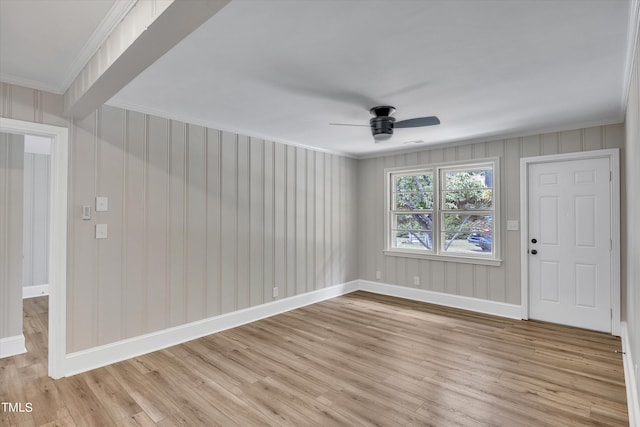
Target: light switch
pixel 86 212
pixel 102 204
pixel 101 231
pixel 512 225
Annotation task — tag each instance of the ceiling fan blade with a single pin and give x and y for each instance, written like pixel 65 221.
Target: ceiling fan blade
pixel 417 122
pixel 347 124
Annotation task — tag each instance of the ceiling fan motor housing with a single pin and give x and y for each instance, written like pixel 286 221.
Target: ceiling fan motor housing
pixel 382 127
pixel 382 123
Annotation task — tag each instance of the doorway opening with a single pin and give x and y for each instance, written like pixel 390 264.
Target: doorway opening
pixel 57 244
pixel 36 201
pixel 35 245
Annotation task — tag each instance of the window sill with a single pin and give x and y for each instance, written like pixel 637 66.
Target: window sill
pixel 445 258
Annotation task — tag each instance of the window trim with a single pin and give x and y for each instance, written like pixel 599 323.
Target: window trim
pixel 437 254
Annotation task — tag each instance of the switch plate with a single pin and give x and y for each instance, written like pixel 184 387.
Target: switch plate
pixel 378 274
pixel 86 212
pixel 512 225
pixel 102 204
pixel 416 280
pixel 101 231
pixel 275 291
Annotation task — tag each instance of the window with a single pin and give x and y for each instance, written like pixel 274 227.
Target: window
pixel 444 211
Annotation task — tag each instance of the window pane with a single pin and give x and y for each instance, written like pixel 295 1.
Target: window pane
pixel 467 189
pixel 420 222
pixel 413 192
pixel 453 204
pixel 413 201
pixel 421 240
pixel 408 183
pixel 468 179
pixel 467 233
pixel 468 199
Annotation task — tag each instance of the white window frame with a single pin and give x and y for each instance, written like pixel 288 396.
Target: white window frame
pixel 437 252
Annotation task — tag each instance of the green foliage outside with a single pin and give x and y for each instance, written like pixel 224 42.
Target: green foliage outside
pixel 414 192
pixel 461 190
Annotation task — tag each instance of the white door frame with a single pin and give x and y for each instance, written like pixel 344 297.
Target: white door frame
pixel 613 155
pixel 58 237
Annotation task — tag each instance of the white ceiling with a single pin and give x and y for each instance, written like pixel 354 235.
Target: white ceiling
pixel 45 43
pixel 283 70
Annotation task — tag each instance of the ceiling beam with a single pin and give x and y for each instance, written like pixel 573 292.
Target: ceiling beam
pixel 150 29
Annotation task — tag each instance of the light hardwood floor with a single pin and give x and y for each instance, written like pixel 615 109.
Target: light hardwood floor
pixel 360 359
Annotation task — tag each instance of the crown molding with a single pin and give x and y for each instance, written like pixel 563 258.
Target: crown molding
pixel 118 11
pixel 31 84
pixel 210 124
pixel 417 148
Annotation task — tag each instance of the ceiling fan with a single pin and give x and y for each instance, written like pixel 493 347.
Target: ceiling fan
pixel 382 124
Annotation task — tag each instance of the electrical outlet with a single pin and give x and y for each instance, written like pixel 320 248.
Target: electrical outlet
pixel 416 280
pixel 378 275
pixel 275 291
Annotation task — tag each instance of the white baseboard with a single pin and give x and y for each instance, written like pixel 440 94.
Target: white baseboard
pixel 35 291
pixel 501 309
pixel 11 346
pixel 96 357
pixel 633 403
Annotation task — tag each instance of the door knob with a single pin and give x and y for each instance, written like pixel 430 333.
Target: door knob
pixel 534 240
pixel 533 252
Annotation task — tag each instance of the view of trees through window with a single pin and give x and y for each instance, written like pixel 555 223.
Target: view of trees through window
pixel 414 193
pixel 465 210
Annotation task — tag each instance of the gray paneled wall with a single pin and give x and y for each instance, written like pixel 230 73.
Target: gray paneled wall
pixel 201 222
pixel 35 263
pixel 11 182
pixel 632 237
pixel 478 281
pixel 31 105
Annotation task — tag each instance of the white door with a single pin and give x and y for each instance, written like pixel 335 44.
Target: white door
pixel 570 243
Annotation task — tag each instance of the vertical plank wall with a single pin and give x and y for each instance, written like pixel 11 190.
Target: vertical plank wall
pixel 486 282
pixel 632 237
pixel 201 222
pixel 35 264
pixel 11 182
pixel 173 202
